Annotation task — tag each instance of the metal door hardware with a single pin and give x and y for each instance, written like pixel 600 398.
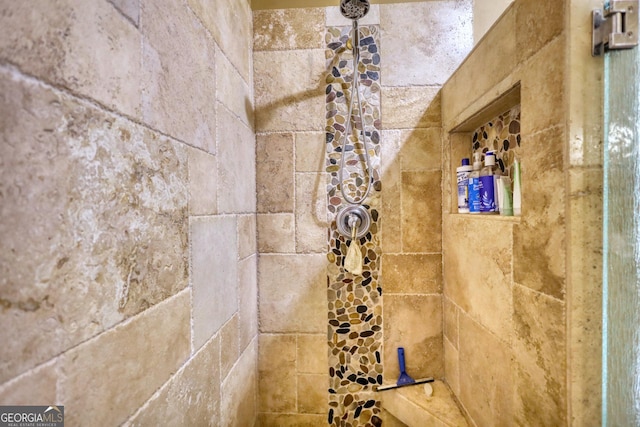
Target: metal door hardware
pixel 615 26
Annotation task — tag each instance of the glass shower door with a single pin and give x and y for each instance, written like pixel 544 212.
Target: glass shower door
pixel 621 299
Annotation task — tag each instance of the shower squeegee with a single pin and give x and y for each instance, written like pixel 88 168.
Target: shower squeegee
pixel 404 379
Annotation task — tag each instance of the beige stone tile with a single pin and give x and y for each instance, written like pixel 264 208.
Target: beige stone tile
pixel 232 91
pixel 421 149
pixel 412 273
pixel 248 300
pixel 390 152
pixel 585 293
pixel 167 83
pixel 276 233
pixel 36 385
pixel 415 323
pixel 486 379
pixel 389 420
pixel 448 205
pixel 421 211
pixel 310 151
pixel 311 213
pixel 412 407
pixel 452 366
pixel 247 236
pixel 491 61
pixel 87 371
pixel 537 24
pixel 79 45
pixel 288 29
pixel 543 93
pixel 543 163
pixel 229 345
pixel 293 293
pixel 391 192
pixel 239 391
pixel 485 15
pixel 477 273
pixel 203 186
pixel 441 36
pixel 539 241
pixel 540 355
pixel 584 77
pixel 214 274
pixel 230 23
pixel 279 100
pixel 191 396
pixel 236 164
pixel 336 19
pixel 129 8
pixel 277 379
pixel 93 222
pixel 292 420
pixel 411 107
pixel 312 393
pixel 451 321
pixel 274 172
pixel 312 354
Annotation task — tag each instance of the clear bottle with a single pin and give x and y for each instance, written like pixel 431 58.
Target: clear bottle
pixel 474 184
pixel 517 188
pixel 489 185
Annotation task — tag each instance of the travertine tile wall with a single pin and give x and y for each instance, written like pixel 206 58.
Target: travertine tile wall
pixel 417 60
pixel 290 72
pixel 522 295
pixel 584 162
pixel 128 264
pixel 292 227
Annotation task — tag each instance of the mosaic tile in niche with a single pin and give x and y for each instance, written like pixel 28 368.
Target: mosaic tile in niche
pixel 502 136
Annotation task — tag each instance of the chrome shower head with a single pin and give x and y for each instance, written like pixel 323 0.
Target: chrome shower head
pixel 354 9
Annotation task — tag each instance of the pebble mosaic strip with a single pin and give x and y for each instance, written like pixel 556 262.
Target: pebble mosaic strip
pixel 502 136
pixel 354 302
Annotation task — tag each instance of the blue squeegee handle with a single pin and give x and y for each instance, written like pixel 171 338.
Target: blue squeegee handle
pixel 401 359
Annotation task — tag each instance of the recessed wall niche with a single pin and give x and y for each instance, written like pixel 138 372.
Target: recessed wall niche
pixel 496 127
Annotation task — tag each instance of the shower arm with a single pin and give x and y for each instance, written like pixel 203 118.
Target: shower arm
pixel 355 88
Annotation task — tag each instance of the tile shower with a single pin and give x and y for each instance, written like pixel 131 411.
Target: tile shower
pixel 515 343
pixel 403 249
pixel 420 241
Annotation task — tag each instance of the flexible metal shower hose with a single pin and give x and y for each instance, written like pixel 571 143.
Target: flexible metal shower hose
pixel 355 87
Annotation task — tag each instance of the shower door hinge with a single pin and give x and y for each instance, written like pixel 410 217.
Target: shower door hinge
pixel 615 27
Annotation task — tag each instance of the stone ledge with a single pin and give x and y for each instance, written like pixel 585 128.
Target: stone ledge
pixel 411 406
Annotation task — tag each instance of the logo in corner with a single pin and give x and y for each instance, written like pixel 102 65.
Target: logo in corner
pixel 32 416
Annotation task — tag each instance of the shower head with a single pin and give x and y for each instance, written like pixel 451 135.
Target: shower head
pixel 354 9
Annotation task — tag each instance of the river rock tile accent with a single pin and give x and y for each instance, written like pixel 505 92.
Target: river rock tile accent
pixel 338 96
pixel 502 136
pixel 354 302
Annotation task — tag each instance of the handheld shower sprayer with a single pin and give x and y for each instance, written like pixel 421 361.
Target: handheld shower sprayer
pixel 354 10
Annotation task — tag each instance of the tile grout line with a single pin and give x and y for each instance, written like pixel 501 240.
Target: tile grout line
pixel 16 71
